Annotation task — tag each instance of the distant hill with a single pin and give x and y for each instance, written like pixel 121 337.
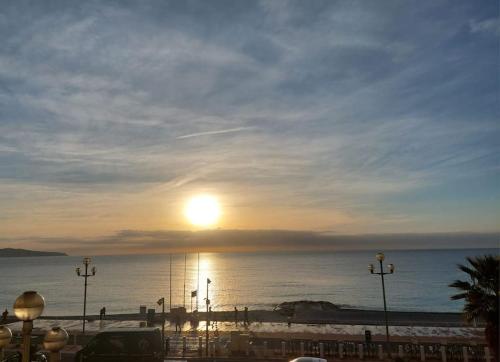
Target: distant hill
pixel 10 253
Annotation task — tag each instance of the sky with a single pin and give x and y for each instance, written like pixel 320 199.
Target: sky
pixel 330 117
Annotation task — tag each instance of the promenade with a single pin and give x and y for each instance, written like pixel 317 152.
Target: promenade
pixel 268 336
pixel 340 316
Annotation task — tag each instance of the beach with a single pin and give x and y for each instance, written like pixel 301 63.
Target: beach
pixel 342 324
pixel 341 317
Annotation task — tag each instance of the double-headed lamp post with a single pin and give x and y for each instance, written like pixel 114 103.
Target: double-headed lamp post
pixel 86 262
pixel 28 307
pixel 5 338
pixel 54 341
pixel 380 257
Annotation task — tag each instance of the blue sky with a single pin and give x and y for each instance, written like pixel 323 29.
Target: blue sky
pixel 340 117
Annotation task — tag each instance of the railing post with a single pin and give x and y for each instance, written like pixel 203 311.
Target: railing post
pixel 380 352
pixel 183 346
pixel 301 348
pixel 216 346
pixel 321 350
pixel 360 351
pixel 422 353
pixel 465 353
pixel 265 348
pixel 283 348
pixel 200 346
pixel 487 355
pixel 400 351
pixel 341 350
pixel 443 353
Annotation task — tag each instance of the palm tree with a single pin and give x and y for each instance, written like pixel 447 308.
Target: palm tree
pixel 481 295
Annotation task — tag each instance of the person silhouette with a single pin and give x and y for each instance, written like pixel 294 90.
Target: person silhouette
pixel 245 315
pixel 5 314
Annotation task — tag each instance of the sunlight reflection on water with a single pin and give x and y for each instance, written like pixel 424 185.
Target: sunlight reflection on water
pixel 256 280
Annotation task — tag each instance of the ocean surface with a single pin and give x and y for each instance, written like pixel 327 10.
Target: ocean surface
pixel 255 280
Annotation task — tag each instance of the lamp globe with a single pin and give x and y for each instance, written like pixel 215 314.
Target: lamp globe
pixel 55 339
pixel 29 306
pixel 380 256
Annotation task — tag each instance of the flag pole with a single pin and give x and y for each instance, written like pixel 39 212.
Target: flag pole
pixel 198 284
pixel 170 286
pixel 207 320
pixel 184 294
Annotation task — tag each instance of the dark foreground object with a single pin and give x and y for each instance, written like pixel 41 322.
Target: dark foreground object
pixel 123 345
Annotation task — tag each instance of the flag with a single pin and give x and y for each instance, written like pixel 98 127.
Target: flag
pixel 208 281
pixel 194 293
pixel 160 301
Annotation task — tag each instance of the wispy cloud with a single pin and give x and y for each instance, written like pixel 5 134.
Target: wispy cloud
pixel 210 133
pixel 491 25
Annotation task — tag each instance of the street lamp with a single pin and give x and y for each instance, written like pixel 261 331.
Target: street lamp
pixel 5 337
pixel 86 262
pixel 161 302
pixel 381 257
pixel 28 307
pixel 54 341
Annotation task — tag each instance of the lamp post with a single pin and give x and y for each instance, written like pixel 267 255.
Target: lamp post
pixel 5 337
pixel 207 319
pixel 380 257
pixel 161 302
pixel 86 262
pixel 54 341
pixel 28 307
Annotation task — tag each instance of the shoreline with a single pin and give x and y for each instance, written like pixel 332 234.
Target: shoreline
pixel 339 317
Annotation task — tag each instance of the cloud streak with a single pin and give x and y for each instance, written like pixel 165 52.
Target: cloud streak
pixel 210 133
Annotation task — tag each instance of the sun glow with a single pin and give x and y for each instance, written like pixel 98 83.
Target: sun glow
pixel 202 210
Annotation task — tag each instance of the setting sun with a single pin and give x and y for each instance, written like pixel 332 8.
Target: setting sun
pixel 202 210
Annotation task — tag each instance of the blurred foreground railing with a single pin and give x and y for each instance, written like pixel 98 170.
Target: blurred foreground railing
pixel 194 346
pixel 245 345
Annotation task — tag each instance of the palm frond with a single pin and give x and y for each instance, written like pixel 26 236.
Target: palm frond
pixel 481 294
pixel 459 284
pixel 459 296
pixel 466 269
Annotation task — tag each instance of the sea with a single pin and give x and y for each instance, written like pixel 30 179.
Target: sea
pixel 258 280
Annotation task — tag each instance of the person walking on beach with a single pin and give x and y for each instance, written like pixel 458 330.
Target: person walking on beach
pixel 235 316
pixel 102 313
pixel 245 316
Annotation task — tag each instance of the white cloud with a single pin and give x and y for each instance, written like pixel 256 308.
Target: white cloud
pixel 485 26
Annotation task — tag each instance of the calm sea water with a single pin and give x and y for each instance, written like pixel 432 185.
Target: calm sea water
pixel 256 280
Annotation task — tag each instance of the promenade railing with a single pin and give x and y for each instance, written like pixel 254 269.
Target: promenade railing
pixel 187 346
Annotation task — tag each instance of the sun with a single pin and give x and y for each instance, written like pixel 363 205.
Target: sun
pixel 203 210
